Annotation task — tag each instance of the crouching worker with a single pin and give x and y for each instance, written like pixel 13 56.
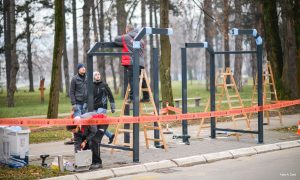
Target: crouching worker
pixel 89 137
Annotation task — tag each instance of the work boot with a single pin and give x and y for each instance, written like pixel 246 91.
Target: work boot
pixel 111 139
pixel 96 166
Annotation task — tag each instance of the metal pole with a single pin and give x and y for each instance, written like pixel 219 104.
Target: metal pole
pixel 60 163
pixel 90 83
pixel 127 108
pixel 156 91
pixel 212 93
pixel 136 100
pixel 260 94
pixel 184 93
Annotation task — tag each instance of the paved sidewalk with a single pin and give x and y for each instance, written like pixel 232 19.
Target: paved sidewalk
pixel 199 145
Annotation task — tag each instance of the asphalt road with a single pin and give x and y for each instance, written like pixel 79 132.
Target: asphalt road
pixel 283 164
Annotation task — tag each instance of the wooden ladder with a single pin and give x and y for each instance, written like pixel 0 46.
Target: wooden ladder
pixel 119 130
pixel 269 91
pixel 234 100
pixel 219 97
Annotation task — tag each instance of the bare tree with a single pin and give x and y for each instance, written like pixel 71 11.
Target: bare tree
pixel 66 60
pixel 238 61
pixel 75 42
pixel 101 61
pixel 143 22
pixel 121 23
pixel 273 44
pixel 289 79
pixel 151 41
pixel 297 33
pixel 86 29
pixel 209 33
pixel 226 32
pixel 116 89
pixel 13 59
pixel 7 40
pixel 28 20
pixel 165 62
pixel 57 57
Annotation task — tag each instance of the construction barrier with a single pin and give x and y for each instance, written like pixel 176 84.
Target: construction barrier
pixel 101 119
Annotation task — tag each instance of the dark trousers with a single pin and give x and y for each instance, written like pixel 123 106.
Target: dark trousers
pixel 93 145
pixel 129 70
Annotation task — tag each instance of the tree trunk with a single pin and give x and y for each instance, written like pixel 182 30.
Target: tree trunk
pixel 86 29
pixel 156 25
pixel 61 85
pixel 14 59
pixel 238 62
pixel 112 60
pixel 208 32
pixel 57 57
pixel 29 54
pixel 225 32
pixel 289 74
pixel 165 62
pixel 75 41
pixel 297 34
pixel 151 42
pixel 258 24
pixel 273 44
pixel 101 64
pixel 66 60
pixel 7 39
pixel 121 23
pixel 143 18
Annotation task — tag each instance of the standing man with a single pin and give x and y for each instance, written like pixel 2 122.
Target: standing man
pixel 102 94
pixel 126 40
pixel 78 91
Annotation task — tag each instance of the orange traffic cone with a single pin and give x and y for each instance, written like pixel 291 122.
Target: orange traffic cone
pixel 298 132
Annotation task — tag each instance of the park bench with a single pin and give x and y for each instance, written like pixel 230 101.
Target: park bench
pixel 177 101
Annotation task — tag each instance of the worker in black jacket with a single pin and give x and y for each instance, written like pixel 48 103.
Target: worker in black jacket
pixel 102 94
pixel 78 91
pixel 88 137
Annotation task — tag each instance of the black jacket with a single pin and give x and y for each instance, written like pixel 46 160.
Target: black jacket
pixel 90 134
pixel 78 89
pixel 101 93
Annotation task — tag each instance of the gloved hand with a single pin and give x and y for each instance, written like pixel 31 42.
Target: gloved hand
pixel 113 107
pixel 74 107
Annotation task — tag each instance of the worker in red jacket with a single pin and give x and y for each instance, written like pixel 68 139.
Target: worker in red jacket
pixel 126 41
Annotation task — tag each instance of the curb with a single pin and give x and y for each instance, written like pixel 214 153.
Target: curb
pixel 159 165
pixel 180 162
pixel 128 170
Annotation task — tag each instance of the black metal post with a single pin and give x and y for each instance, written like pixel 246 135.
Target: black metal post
pixel 260 93
pixel 156 91
pixel 184 94
pixel 127 108
pixel 212 93
pixel 135 88
pixel 90 82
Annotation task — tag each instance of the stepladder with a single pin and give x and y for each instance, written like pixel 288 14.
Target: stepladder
pixel 269 94
pixel 226 87
pixel 219 97
pixel 146 108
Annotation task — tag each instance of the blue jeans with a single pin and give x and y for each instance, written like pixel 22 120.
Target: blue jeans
pixel 80 109
pixel 103 111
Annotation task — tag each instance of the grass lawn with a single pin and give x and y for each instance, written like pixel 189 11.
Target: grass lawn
pixel 28 173
pixel 28 103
